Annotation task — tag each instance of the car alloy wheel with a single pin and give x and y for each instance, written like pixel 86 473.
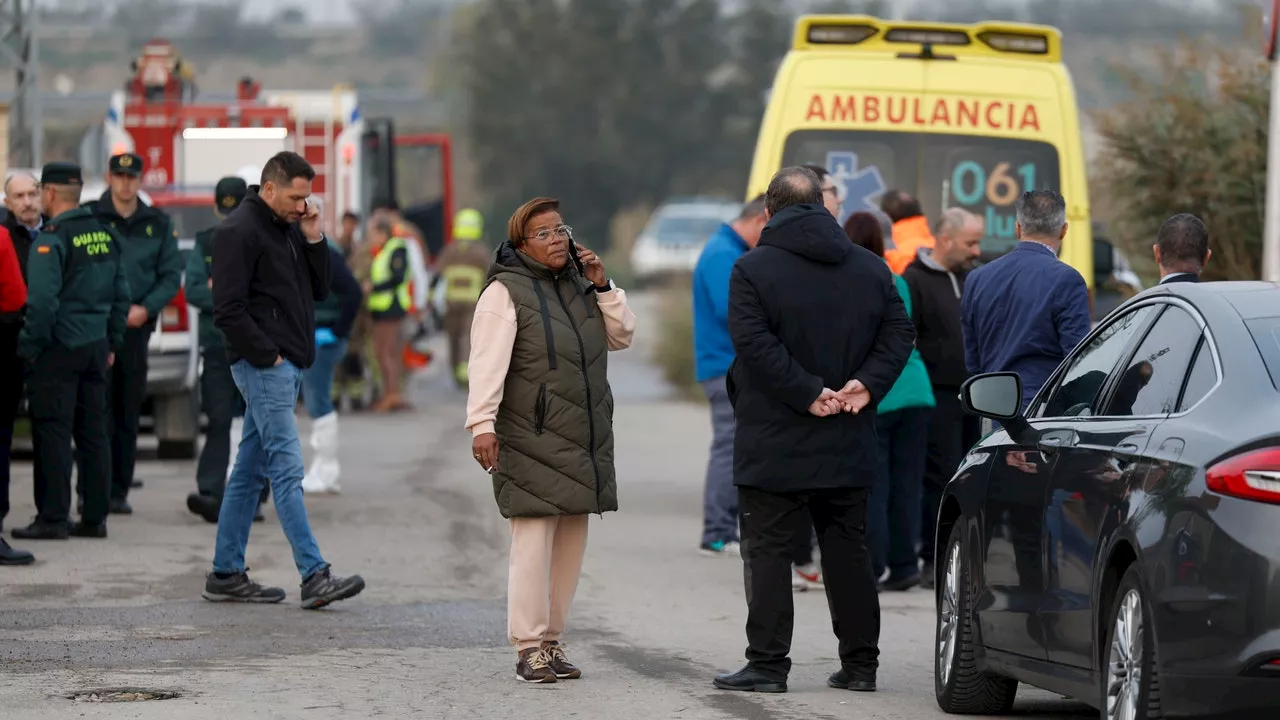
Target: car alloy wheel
pixel 948 615
pixel 1124 685
pixel 960 683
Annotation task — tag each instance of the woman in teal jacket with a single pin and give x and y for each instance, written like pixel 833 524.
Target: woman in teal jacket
pixel 902 426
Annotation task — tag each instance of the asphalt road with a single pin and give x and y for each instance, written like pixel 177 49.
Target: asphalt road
pixel 652 623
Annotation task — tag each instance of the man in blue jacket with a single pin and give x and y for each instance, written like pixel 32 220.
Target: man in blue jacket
pixel 713 353
pixel 1027 310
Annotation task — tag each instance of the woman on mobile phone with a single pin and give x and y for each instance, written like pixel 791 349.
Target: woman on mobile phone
pixel 540 412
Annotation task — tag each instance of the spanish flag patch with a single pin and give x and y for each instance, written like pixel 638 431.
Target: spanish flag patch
pixel 43 249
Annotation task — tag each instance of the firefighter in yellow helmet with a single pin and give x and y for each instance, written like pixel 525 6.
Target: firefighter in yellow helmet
pixel 462 268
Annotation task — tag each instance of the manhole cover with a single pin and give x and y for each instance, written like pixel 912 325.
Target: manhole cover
pixel 123 694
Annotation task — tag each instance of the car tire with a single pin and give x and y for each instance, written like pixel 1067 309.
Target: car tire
pixel 962 688
pixel 176 450
pixel 1130 615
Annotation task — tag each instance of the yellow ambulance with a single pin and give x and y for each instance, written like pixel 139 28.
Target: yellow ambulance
pixel 963 116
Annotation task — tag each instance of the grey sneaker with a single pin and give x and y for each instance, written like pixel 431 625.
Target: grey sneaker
pixel 324 588
pixel 239 588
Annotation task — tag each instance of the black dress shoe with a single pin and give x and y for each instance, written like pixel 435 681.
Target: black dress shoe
pixel 748 680
pixel 861 682
pixel 120 507
pixel 83 529
pixel 135 484
pixel 42 530
pixel 12 556
pixel 206 506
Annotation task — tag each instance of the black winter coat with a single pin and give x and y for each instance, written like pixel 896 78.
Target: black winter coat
pixel 808 309
pixel 266 279
pixel 935 309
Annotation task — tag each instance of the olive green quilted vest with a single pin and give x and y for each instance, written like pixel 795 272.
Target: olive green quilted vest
pixel 555 423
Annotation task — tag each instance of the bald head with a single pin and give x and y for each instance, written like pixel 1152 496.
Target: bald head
pixel 22 198
pixel 792 186
pixel 957 239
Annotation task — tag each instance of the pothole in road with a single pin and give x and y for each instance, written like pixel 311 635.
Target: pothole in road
pixel 122 694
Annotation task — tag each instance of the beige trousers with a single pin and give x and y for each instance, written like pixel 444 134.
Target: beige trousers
pixel 546 560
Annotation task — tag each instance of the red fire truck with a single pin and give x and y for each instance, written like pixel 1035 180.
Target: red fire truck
pixel 189 143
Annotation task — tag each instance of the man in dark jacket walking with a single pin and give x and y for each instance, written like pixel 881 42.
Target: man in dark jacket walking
pixel 271 265
pixel 936 280
pixel 820 335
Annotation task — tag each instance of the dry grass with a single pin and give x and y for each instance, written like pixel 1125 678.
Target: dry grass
pixel 673 352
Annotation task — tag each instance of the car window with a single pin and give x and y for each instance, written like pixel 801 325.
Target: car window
pixel 1152 382
pixel 1202 378
pixel 1078 388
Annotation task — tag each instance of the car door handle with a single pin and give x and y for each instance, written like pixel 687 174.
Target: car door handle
pixel 1051 443
pixel 1127 448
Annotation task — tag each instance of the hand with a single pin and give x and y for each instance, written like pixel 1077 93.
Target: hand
pixel 367 287
pixel 310 223
pixel 592 267
pixel 828 403
pixel 278 362
pixel 484 448
pixel 111 359
pixel 138 316
pixel 210 283
pixel 854 396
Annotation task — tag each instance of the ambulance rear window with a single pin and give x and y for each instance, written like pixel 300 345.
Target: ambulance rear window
pixel 980 174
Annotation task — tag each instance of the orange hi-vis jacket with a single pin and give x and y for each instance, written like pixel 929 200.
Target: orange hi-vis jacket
pixel 908 237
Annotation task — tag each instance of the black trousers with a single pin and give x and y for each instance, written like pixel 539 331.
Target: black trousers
pixel 770 523
pixel 951 433
pixel 128 391
pixel 68 397
pixel 11 384
pixel 222 404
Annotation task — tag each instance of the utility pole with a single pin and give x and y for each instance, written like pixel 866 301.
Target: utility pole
pixel 1271 227
pixel 20 44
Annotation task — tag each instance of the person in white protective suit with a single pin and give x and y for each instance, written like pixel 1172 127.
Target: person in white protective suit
pixel 335 315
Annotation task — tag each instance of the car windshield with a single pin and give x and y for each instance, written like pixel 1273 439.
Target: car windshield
pixel 191 219
pixel 982 175
pixel 688 229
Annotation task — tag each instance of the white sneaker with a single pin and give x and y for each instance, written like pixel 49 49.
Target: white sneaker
pixel 721 549
pixel 806 577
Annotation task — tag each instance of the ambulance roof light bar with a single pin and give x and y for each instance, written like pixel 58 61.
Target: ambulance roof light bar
pixel 987 39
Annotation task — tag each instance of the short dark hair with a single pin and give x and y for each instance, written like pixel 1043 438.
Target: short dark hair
pixel 1041 213
pixel 1184 243
pixel 753 209
pixel 863 228
pixel 351 215
pixel 792 186
pixel 519 222
pixel 818 170
pixel 284 167
pixel 900 205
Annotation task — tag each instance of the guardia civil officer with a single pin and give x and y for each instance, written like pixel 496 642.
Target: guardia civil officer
pixel 218 393
pixel 78 304
pixel 154 267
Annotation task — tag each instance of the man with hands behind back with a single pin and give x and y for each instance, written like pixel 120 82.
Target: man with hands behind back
pixel 820 335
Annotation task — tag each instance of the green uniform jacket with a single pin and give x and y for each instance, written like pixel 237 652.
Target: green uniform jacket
pixel 199 294
pixel 78 291
pixel 151 257
pixel 555 423
pixel 912 389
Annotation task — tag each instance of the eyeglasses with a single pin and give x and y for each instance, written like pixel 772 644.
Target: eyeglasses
pixel 836 191
pixel 563 231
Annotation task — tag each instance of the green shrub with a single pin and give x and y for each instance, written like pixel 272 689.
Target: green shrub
pixel 673 352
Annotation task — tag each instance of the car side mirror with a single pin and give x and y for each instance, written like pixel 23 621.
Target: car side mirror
pixel 993 395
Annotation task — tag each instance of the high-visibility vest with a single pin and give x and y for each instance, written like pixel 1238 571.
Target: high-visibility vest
pixel 380 272
pixel 463 283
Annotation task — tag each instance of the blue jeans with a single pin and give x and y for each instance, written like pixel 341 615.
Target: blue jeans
pixel 317 380
pixel 268 448
pixel 720 496
pixel 893 515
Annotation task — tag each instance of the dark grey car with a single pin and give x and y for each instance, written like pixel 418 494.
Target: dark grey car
pixel 1120 542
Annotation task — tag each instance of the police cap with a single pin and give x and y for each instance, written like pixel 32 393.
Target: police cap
pixel 228 193
pixel 125 164
pixel 61 173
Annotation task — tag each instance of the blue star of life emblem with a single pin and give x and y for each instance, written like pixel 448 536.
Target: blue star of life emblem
pixel 861 186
